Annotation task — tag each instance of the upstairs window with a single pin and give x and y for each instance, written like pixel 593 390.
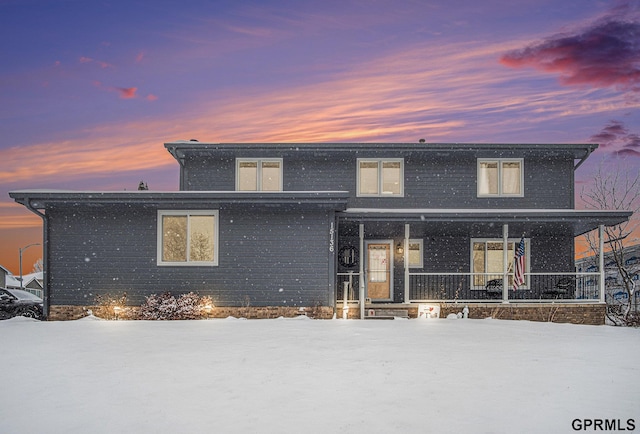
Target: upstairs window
pixel 264 174
pixel 380 177
pixel 500 177
pixel 187 238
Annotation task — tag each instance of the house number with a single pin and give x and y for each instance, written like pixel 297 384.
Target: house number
pixel 332 241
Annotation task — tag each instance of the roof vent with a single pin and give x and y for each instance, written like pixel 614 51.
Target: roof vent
pixel 193 140
pixel 421 140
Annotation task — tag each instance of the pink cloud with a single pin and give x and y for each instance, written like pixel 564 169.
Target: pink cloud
pixel 151 97
pixel 603 54
pixel 85 59
pixel 139 57
pixel 127 92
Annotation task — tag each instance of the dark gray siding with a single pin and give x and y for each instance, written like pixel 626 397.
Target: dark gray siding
pixel 431 180
pixel 275 257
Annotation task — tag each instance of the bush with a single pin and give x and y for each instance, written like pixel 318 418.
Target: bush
pixel 167 307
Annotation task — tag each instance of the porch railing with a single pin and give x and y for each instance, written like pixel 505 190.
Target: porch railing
pixel 487 287
pixel 482 287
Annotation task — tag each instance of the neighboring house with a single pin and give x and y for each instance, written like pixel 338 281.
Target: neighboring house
pixel 614 290
pixel 3 276
pixel 32 282
pixel 280 227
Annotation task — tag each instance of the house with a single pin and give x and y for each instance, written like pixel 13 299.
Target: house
pixel 375 228
pixel 32 282
pixel 615 292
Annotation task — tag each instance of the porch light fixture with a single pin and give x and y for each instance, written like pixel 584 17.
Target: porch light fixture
pixel 399 249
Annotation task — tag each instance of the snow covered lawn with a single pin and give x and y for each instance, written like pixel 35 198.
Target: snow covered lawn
pixel 314 376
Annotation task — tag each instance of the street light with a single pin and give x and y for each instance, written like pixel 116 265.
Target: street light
pixel 22 249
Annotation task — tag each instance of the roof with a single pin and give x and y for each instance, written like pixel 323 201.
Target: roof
pixel 39 199
pixel 179 149
pixel 581 221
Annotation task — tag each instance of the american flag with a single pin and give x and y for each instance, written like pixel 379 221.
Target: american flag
pixel 518 278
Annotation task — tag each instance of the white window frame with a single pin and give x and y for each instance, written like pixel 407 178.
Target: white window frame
pixel 511 241
pixel 258 162
pixel 380 162
pixel 188 213
pixel 500 162
pixel 420 242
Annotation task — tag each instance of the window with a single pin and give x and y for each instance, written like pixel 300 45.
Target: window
pixel 380 177
pixel 500 177
pixel 487 260
pixel 187 238
pixel 415 253
pixel 264 174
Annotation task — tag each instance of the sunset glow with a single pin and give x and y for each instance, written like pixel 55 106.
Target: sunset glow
pixel 91 91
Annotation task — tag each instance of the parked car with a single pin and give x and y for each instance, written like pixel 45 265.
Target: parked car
pixel 16 302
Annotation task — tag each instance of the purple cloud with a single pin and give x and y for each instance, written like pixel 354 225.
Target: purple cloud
pixel 616 138
pixel 605 53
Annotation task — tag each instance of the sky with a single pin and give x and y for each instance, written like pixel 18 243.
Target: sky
pixel 90 91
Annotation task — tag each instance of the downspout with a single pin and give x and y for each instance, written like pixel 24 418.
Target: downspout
pixel 45 257
pixel 180 161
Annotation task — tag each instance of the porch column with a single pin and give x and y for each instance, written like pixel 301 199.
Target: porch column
pixel 406 262
pixel 601 262
pixel 362 277
pixel 505 264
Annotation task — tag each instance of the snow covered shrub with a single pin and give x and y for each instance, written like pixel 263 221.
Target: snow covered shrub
pixel 167 307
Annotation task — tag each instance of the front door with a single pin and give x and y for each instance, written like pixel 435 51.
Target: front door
pixel 379 270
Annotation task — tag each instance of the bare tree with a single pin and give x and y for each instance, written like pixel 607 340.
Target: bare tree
pixel 617 189
pixel 38 266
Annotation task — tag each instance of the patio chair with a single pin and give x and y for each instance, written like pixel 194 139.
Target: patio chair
pixel 494 288
pixel 563 288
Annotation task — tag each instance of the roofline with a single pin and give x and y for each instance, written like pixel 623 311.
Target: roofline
pixel 39 199
pixel 579 150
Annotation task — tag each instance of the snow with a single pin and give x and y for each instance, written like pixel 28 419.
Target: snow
pixel 314 376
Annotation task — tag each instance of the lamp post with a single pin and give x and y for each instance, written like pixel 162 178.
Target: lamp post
pixel 22 249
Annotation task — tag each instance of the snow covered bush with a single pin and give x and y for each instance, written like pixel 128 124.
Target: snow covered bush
pixel 166 307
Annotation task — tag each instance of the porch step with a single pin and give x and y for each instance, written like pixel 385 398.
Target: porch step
pixel 386 313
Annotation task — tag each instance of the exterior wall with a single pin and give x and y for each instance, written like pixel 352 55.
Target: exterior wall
pixel 430 180
pixel 267 257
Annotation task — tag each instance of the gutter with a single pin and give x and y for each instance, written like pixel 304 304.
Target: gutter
pixel 46 298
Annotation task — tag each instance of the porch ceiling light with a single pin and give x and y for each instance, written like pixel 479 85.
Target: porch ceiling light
pixel 399 249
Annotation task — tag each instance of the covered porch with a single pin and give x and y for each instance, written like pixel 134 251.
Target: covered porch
pixel 403 258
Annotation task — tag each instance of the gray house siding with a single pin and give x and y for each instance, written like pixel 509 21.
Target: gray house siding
pixel 266 257
pixel 430 180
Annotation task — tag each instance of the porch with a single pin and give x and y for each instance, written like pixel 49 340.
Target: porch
pixel 400 259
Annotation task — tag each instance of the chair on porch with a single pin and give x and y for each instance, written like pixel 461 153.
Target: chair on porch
pixel 494 288
pixel 564 288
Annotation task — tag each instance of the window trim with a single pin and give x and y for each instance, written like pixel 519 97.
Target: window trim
pixel 515 242
pixel 259 162
pixel 420 242
pixel 500 161
pixel 188 213
pixel 380 161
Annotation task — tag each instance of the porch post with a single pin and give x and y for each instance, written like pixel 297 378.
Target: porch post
pixel 406 262
pixel 505 265
pixel 362 277
pixel 601 262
